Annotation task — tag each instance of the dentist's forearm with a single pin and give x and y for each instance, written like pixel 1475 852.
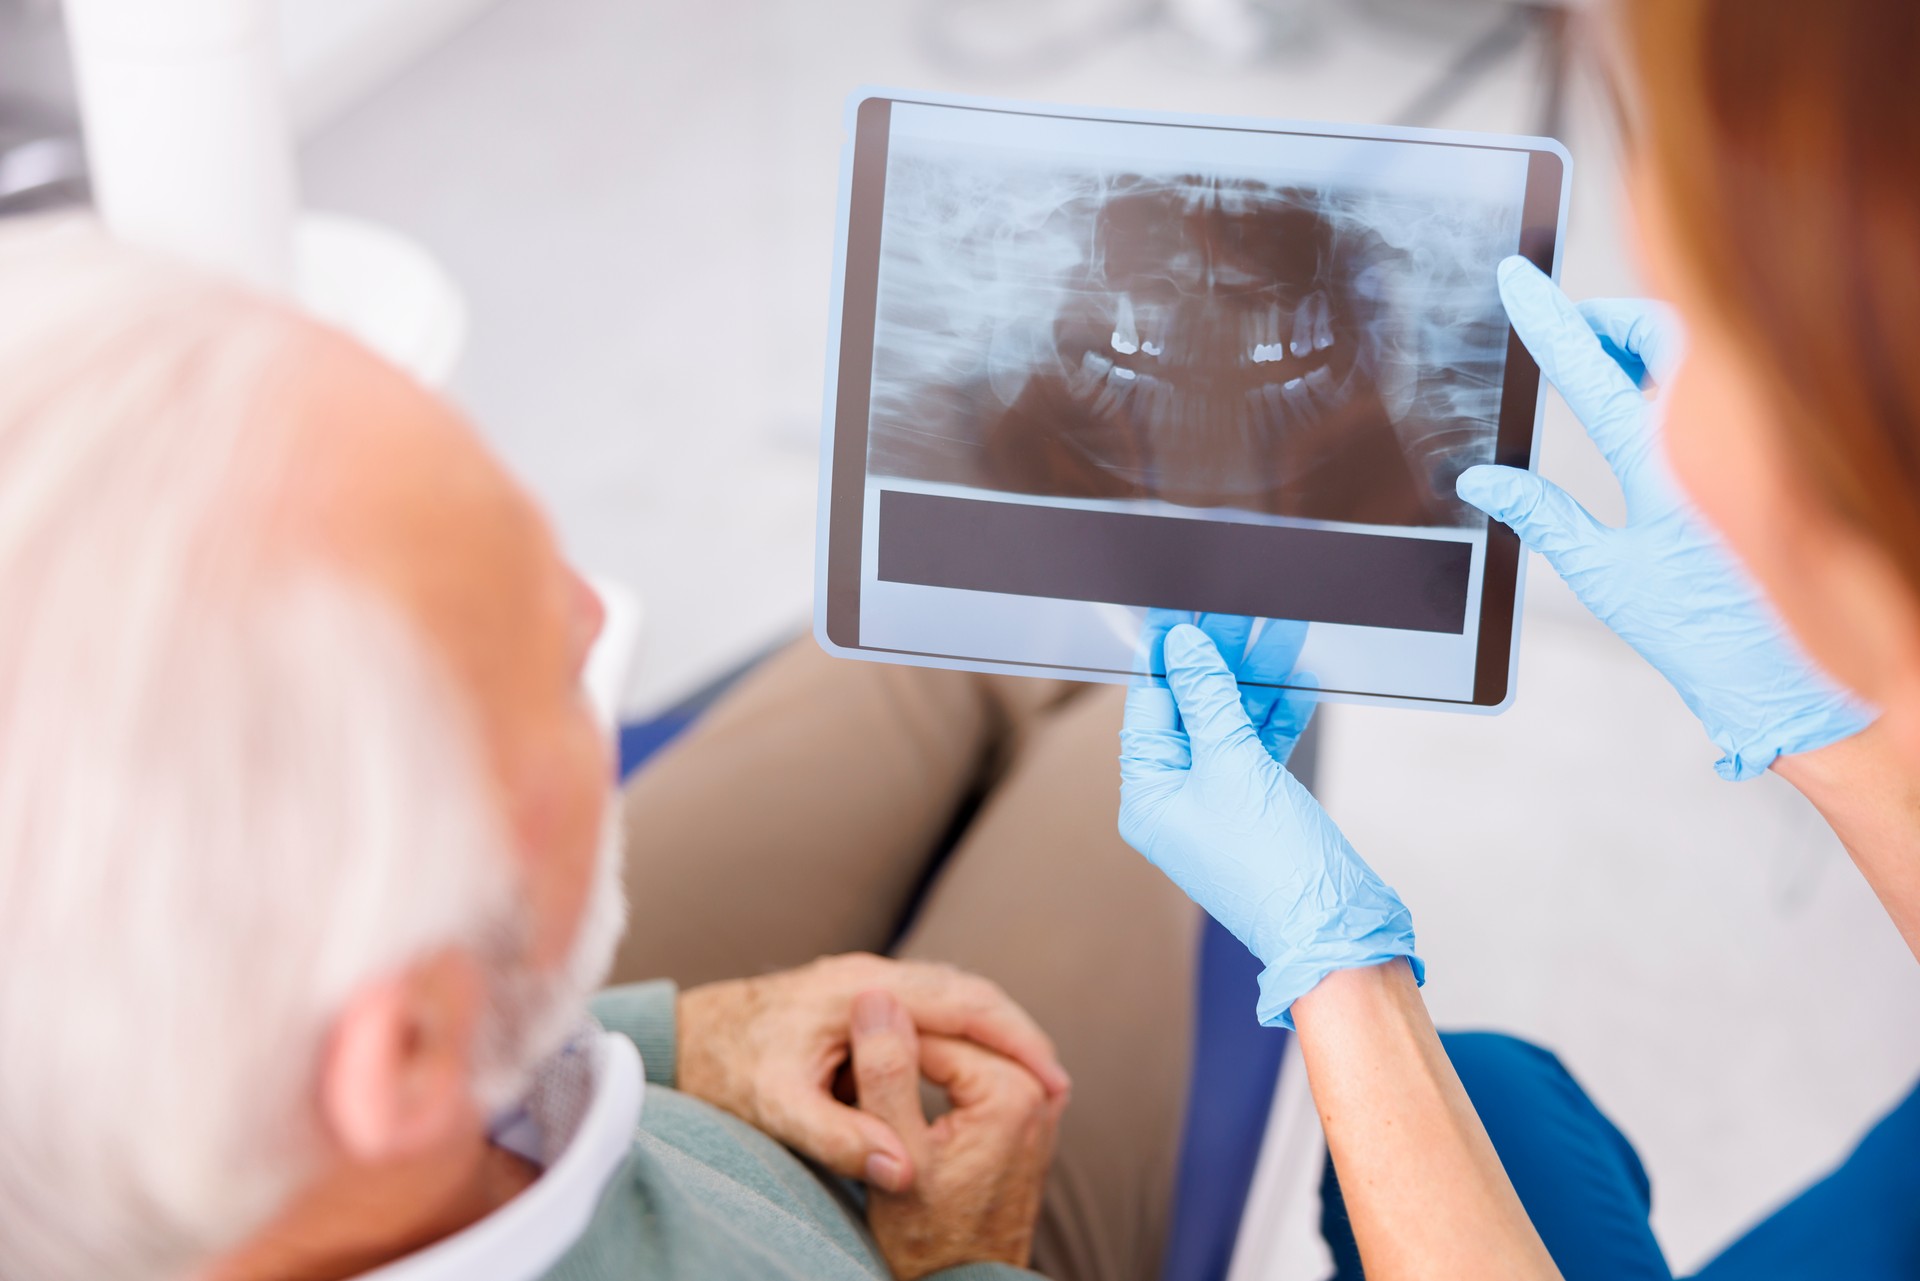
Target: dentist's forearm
pixel 1871 799
pixel 1423 1186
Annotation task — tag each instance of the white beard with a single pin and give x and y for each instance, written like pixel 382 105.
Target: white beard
pixel 531 1013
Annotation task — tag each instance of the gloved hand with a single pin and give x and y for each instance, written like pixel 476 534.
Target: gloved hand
pixel 1664 581
pixel 1204 797
pixel 1264 663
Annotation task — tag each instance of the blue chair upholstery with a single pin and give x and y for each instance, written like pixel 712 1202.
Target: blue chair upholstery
pixel 1236 1063
pixel 1236 1066
pixel 642 739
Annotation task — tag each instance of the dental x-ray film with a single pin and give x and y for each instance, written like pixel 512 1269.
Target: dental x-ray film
pixel 1093 372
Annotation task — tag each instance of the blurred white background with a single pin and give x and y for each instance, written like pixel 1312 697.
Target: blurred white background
pixel 638 200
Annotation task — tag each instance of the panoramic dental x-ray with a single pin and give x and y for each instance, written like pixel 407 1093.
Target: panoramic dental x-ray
pixel 1109 366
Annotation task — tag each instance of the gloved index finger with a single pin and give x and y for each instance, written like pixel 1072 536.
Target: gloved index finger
pixel 1272 686
pixel 1274 652
pixel 1287 719
pixel 1648 332
pixel 1229 634
pixel 1605 400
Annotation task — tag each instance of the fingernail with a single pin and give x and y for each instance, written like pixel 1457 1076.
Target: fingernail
pixel 872 1012
pixel 884 1172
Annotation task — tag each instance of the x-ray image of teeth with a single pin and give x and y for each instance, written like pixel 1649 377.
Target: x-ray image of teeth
pixel 1212 340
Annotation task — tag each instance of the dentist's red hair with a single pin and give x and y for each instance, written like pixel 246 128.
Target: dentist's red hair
pixel 1784 139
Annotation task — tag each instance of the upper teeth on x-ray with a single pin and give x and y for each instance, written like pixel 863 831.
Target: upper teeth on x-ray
pixel 1307 350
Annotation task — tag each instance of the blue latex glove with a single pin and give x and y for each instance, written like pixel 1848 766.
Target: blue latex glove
pixel 1204 797
pixel 1664 581
pixel 1259 655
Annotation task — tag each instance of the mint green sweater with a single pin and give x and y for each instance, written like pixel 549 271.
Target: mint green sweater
pixel 706 1197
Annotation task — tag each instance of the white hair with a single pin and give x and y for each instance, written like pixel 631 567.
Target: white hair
pixel 233 787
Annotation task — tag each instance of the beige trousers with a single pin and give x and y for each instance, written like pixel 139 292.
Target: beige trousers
pixel 802 813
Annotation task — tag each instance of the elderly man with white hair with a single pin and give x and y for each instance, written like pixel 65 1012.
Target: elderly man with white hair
pixel 309 866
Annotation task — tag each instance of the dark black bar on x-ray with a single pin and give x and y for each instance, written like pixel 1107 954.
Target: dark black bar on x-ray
pixel 1171 562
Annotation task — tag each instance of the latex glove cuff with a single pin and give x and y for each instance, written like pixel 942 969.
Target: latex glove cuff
pixel 1285 982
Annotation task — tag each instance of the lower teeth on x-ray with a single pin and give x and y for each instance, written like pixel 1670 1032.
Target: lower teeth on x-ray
pixel 1215 341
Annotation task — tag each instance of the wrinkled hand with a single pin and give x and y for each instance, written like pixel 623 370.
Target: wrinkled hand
pixel 982 1166
pixel 1663 581
pixel 1204 797
pixel 768 1050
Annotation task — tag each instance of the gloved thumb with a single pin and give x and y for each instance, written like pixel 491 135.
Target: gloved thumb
pixel 1544 515
pixel 1206 694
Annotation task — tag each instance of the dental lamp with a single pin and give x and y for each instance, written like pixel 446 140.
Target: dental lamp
pixel 190 147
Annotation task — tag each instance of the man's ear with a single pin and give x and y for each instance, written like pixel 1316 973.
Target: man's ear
pixel 396 1079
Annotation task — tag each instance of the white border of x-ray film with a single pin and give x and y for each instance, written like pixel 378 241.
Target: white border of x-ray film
pixel 1256 124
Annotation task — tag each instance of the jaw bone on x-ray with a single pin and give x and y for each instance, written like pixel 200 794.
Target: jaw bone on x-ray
pixel 1212 340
